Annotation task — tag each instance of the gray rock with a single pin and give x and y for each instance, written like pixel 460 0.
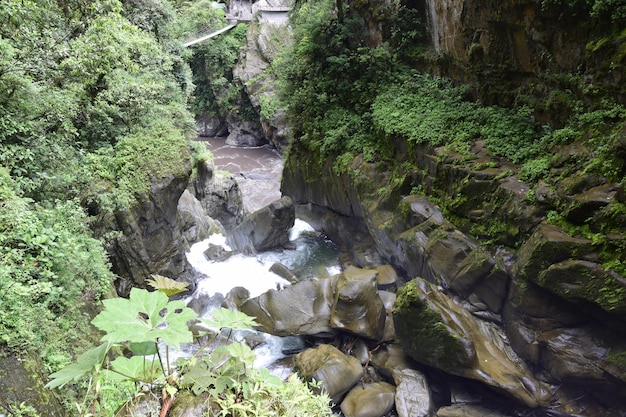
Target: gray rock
pixel 413 397
pixel 357 307
pixel 196 225
pixel 300 309
pixel 436 331
pixel 151 240
pixel 369 400
pixel 336 371
pixel 219 194
pixel 266 228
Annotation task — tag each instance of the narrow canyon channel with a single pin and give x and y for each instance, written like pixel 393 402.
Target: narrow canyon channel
pixel 258 173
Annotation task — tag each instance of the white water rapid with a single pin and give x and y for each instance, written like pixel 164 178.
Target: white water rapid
pixel 258 172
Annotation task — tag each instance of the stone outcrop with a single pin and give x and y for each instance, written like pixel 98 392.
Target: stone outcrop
pixel 543 291
pixel 219 194
pixel 263 41
pixel 151 239
pixel 265 229
pixel 154 233
pixel 358 308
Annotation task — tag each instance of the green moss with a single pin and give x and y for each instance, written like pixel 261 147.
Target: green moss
pixel 423 334
pixel 580 280
pixel 617 361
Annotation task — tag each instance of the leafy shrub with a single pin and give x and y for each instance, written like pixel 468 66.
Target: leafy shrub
pixel 225 371
pixel 51 267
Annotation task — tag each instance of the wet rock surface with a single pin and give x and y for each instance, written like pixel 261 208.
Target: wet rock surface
pixel 265 229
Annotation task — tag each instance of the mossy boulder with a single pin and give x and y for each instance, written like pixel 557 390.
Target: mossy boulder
pixel 578 280
pixel 434 330
pixel 22 388
pixel 425 336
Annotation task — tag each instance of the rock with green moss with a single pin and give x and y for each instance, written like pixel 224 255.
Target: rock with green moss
pixel 436 331
pixel 22 390
pixel 578 280
pixel 425 335
pixel 549 244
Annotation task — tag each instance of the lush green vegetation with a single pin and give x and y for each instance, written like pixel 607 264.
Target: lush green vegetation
pixel 92 107
pixel 613 9
pixel 133 329
pixel 346 98
pixel 95 102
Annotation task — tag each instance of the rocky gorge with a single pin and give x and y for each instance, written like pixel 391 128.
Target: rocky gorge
pixel 495 302
pixel 467 289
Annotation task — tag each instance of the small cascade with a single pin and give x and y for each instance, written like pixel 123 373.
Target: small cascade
pixel 434 24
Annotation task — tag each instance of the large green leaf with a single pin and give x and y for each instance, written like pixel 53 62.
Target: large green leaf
pixel 223 318
pixel 138 368
pixel 145 316
pixel 167 285
pixel 88 362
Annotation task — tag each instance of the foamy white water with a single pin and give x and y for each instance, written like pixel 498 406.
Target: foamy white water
pixel 239 270
pixel 250 272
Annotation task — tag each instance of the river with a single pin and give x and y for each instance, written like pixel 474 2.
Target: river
pixel 258 172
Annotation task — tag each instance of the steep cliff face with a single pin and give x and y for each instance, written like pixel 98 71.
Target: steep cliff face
pixel 527 52
pixel 541 259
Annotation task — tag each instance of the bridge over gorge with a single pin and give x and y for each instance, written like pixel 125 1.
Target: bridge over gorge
pixel 240 11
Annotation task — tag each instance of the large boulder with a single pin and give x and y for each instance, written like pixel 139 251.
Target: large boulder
pixel 300 309
pixel 375 399
pixel 434 330
pixel 357 307
pixel 335 371
pixel 266 228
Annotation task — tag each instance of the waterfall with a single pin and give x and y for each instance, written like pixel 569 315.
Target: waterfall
pixel 434 24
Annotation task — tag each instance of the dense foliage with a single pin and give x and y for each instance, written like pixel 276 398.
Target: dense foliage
pixel 346 98
pixel 92 107
pixel 146 322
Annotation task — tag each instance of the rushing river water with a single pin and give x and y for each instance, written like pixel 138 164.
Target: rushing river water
pixel 258 173
pixel 257 170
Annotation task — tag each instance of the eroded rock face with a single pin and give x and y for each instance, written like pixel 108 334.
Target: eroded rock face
pixel 437 332
pixel 557 306
pixel 265 229
pixel 195 223
pixel 263 41
pixel 219 195
pixel 151 240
